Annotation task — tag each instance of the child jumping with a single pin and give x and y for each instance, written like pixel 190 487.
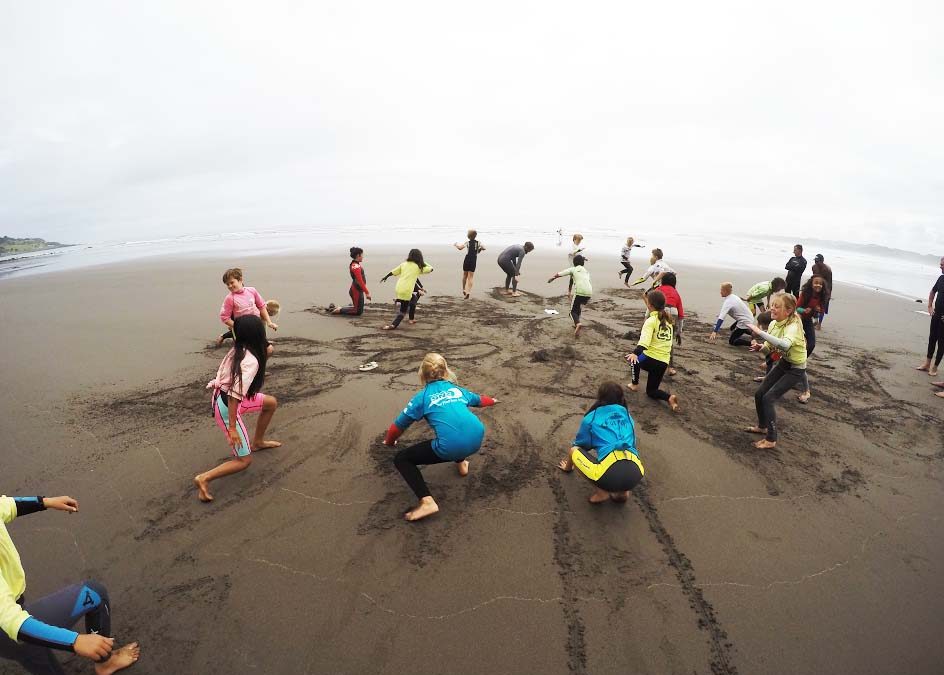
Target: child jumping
pixel 580 282
pixel 627 270
pixel 358 290
pixel 241 301
pixel 457 432
pixel 654 350
pixel 408 273
pixel 237 389
pixel 605 447
pixel 576 249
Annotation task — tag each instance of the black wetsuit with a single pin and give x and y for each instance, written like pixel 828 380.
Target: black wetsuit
pixel 795 267
pixel 936 335
pixel 471 255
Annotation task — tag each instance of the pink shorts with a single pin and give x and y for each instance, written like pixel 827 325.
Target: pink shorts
pixel 221 415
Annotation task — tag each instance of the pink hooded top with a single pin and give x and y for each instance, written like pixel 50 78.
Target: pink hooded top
pixel 223 380
pixel 242 303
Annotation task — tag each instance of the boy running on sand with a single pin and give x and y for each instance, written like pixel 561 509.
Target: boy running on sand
pixel 627 270
pixel 583 290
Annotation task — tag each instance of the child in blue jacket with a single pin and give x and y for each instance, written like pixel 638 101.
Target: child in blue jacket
pixel 605 447
pixel 458 433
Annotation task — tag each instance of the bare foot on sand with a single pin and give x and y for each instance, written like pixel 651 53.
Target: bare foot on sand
pixel 426 507
pixel 389 327
pixel 412 321
pixel 938 384
pixel 516 294
pixel 672 371
pixel 933 372
pixel 463 467
pixel 756 430
pixel 577 330
pixel 203 488
pixel 599 497
pixel 266 445
pixel 219 341
pixel 764 444
pixel 119 659
pixel 506 292
pixel 673 403
pixel 939 394
pixel 926 367
pixel 804 397
pixel 619 497
pixel 759 378
pixel 632 387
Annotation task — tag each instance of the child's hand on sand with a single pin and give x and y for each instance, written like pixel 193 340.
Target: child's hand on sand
pixel 273 326
pixel 67 504
pixel 755 346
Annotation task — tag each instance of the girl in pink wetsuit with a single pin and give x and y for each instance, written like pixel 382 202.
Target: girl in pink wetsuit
pixel 237 389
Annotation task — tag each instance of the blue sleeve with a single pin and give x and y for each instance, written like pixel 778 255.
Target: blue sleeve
pixel 583 439
pixel 413 412
pixel 39 633
pixel 473 399
pixel 28 505
pixel 718 324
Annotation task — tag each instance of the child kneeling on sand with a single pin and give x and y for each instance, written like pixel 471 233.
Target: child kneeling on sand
pixel 654 350
pixel 605 447
pixel 237 389
pixel 457 432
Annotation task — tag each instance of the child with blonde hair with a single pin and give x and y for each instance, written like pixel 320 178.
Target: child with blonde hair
pixel 457 433
pixel 473 247
pixel 241 301
pixel 785 337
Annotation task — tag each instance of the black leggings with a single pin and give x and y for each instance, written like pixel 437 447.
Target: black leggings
pixel 737 339
pixel 656 370
pixel 781 378
pixel 63 609
pixel 627 270
pixel 356 308
pixel 936 337
pixel 410 459
pixel 510 274
pixel 578 302
pixel 405 307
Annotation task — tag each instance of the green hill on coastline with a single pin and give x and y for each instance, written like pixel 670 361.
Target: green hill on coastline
pixel 11 245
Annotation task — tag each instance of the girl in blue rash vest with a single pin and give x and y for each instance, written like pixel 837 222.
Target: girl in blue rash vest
pixel 30 631
pixel 458 433
pixel 605 448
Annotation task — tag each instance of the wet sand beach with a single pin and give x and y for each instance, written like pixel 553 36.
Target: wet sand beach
pixel 823 555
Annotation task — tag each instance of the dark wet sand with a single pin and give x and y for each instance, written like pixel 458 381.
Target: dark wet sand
pixel 826 555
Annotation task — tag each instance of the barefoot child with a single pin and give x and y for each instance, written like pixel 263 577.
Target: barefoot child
pixel 358 290
pixel 673 305
pixel 237 389
pixel 580 282
pixel 654 350
pixel 763 322
pixel 31 631
pixel 241 301
pixel 408 273
pixel 627 270
pixel 759 294
pixel 657 268
pixel 605 447
pixel 472 248
pixel 786 338
pixel 457 432
pixel 814 296
pixel 575 250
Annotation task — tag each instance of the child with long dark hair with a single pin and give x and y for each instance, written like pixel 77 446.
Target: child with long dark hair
pixel 237 389
pixel 408 273
pixel 605 447
pixel 814 296
pixel 358 290
pixel 654 350
pixel 457 432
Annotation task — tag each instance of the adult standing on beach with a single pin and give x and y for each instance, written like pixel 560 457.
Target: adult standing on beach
pixel 785 337
pixel 45 624
pixel 472 247
pixel 821 269
pixel 738 310
pixel 510 261
pixel 795 267
pixel 936 336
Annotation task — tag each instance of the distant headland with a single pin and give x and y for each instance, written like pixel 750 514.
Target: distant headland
pixel 12 245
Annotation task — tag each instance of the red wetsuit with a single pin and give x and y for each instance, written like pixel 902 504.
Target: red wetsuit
pixel 357 291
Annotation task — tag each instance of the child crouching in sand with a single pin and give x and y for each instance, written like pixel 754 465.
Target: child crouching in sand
pixel 654 350
pixel 237 389
pixel 605 447
pixel 457 433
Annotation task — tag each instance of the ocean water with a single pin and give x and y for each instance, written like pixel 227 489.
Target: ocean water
pixel 905 273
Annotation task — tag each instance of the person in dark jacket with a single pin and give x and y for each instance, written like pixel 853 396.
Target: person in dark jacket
pixel 795 267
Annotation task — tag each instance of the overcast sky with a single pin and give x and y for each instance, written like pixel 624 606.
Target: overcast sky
pixel 140 120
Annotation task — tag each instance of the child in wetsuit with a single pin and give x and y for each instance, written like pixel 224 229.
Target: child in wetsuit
pixel 605 447
pixel 472 248
pixel 237 389
pixel 241 301
pixel 654 350
pixel 358 290
pixel 409 272
pixel 457 432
